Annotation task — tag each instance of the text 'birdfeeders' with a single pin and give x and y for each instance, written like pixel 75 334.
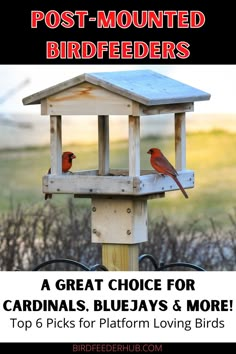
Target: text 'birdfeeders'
pixel 119 196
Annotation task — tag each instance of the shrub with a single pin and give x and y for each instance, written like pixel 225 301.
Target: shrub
pixel 29 237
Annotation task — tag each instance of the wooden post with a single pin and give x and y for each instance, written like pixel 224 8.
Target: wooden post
pixel 124 257
pixel 130 252
pixel 118 257
pixel 103 145
pixel 180 141
pixel 56 145
pixel 119 224
pixel 134 146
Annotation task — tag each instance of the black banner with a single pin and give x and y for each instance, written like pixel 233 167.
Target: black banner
pixel 117 32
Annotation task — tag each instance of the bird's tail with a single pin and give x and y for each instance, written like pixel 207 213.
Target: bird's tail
pixel 180 187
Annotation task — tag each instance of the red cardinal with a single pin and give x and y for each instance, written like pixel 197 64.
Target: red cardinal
pixel 160 163
pixel 67 158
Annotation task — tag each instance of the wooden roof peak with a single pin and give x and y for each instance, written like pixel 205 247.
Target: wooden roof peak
pixel 147 87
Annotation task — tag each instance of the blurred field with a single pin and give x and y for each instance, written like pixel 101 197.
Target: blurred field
pixel 210 154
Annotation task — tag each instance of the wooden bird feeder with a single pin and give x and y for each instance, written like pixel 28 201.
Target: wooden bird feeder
pixel 118 197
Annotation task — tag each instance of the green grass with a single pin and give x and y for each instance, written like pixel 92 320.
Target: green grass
pixel 211 155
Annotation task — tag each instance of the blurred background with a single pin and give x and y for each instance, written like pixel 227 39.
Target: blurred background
pixel 211 140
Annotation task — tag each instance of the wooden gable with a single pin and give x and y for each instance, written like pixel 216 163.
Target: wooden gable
pixel 86 99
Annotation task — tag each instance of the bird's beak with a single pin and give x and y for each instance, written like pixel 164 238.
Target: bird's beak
pixel 148 152
pixel 73 156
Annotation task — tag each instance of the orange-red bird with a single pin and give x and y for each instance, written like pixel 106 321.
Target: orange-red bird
pixel 67 158
pixel 160 163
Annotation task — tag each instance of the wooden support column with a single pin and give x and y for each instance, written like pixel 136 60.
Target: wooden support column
pixel 56 144
pixel 121 254
pixel 117 257
pixel 119 224
pixel 103 145
pixel 134 146
pixel 130 252
pixel 180 141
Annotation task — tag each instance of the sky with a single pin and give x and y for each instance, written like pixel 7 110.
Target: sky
pixel 217 80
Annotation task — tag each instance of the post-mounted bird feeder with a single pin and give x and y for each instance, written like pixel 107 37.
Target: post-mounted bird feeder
pixel 118 197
